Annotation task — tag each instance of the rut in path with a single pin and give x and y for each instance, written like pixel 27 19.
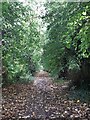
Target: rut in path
pixel 45 97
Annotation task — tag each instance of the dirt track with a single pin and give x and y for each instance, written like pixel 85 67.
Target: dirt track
pixel 26 102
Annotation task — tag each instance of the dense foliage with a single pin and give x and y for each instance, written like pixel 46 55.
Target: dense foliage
pixel 65 44
pixel 67 51
pixel 55 39
pixel 20 39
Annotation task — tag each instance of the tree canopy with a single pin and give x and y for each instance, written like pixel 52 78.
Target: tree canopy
pixel 20 40
pixel 68 34
pixel 63 49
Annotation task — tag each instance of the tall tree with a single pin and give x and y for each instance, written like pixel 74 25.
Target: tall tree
pixel 20 38
pixel 68 27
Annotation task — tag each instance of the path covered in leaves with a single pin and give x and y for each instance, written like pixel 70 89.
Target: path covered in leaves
pixel 24 102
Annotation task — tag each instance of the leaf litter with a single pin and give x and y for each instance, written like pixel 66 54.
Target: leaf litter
pixel 26 102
